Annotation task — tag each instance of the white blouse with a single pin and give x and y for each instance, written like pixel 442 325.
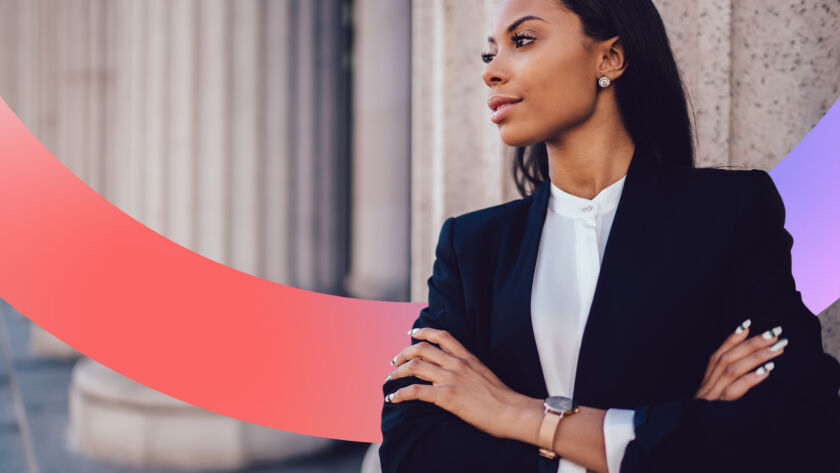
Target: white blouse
pixel 568 263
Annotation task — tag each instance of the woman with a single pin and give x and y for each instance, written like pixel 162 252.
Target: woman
pixel 637 337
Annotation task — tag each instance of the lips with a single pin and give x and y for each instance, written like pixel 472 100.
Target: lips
pixel 501 106
pixel 496 101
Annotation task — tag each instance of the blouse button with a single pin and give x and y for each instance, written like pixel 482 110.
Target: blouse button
pixel 587 208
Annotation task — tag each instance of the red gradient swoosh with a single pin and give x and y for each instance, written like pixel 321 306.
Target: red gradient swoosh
pixel 180 323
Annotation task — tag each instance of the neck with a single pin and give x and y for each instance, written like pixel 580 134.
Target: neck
pixel 594 154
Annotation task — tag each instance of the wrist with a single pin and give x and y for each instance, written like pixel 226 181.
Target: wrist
pixel 523 419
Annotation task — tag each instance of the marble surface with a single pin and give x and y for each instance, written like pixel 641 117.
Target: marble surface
pixel 786 75
pixel 830 320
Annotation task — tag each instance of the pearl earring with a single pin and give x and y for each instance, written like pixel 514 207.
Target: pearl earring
pixel 604 82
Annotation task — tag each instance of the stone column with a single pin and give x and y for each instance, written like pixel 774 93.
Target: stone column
pixel 221 125
pixel 27 84
pixel 381 158
pixel 457 158
pixel 381 104
pixel 701 38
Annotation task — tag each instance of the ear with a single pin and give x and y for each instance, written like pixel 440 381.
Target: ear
pixel 612 62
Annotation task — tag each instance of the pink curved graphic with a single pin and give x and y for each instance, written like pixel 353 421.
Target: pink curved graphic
pixel 178 322
pixel 248 348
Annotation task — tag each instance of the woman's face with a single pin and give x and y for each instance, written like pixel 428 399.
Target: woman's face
pixel 542 63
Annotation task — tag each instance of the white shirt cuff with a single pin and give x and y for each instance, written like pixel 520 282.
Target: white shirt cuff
pixel 618 432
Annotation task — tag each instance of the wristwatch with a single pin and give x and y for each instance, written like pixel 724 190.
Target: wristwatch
pixel 556 408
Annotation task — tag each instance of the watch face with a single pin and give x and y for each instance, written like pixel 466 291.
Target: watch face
pixel 560 404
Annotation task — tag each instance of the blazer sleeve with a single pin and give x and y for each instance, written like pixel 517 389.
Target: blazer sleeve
pixel 418 436
pixel 788 422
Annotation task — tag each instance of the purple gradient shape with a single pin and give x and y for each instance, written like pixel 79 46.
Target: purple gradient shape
pixel 809 181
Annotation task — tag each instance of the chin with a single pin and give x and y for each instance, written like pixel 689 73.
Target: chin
pixel 515 138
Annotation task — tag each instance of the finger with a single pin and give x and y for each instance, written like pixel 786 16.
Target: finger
pixel 427 352
pixel 747 382
pixel 743 349
pixel 737 336
pixel 420 392
pixel 743 366
pixel 451 345
pixel 752 361
pixel 421 369
pixel 442 338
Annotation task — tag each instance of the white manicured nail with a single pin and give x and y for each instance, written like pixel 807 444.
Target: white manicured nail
pixel 744 325
pixel 772 333
pixel 766 368
pixel 394 361
pixel 778 345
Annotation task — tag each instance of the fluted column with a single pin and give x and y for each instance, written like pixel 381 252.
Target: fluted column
pixel 457 158
pixel 223 125
pixel 381 147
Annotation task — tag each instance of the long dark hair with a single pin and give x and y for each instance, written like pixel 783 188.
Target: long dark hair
pixel 650 93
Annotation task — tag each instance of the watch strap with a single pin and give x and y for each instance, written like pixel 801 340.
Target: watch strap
pixel 548 429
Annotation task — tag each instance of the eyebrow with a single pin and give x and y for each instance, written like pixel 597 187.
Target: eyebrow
pixel 515 24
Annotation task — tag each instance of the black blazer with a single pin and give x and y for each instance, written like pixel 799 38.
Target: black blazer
pixel 691 254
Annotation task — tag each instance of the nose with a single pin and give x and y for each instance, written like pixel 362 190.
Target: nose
pixel 494 73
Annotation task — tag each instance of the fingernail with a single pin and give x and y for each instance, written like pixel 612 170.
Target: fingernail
pixel 766 368
pixel 413 331
pixel 394 361
pixel 772 333
pixel 744 325
pixel 778 345
pixel 388 376
pixel 388 398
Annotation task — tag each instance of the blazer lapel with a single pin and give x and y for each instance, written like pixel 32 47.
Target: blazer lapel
pixel 609 330
pixel 622 303
pixel 517 310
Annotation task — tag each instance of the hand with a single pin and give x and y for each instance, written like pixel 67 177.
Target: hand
pixel 461 384
pixel 731 371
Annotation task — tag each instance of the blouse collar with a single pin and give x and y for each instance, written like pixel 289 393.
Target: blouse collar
pixel 563 203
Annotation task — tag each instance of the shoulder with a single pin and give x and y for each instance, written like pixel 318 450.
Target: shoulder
pixel 748 186
pixel 742 203
pixel 731 179
pixel 718 189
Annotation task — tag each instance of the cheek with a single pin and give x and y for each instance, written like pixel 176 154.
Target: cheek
pixel 563 96
pixel 554 101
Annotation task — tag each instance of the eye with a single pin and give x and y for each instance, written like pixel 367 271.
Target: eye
pixel 521 37
pixel 517 39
